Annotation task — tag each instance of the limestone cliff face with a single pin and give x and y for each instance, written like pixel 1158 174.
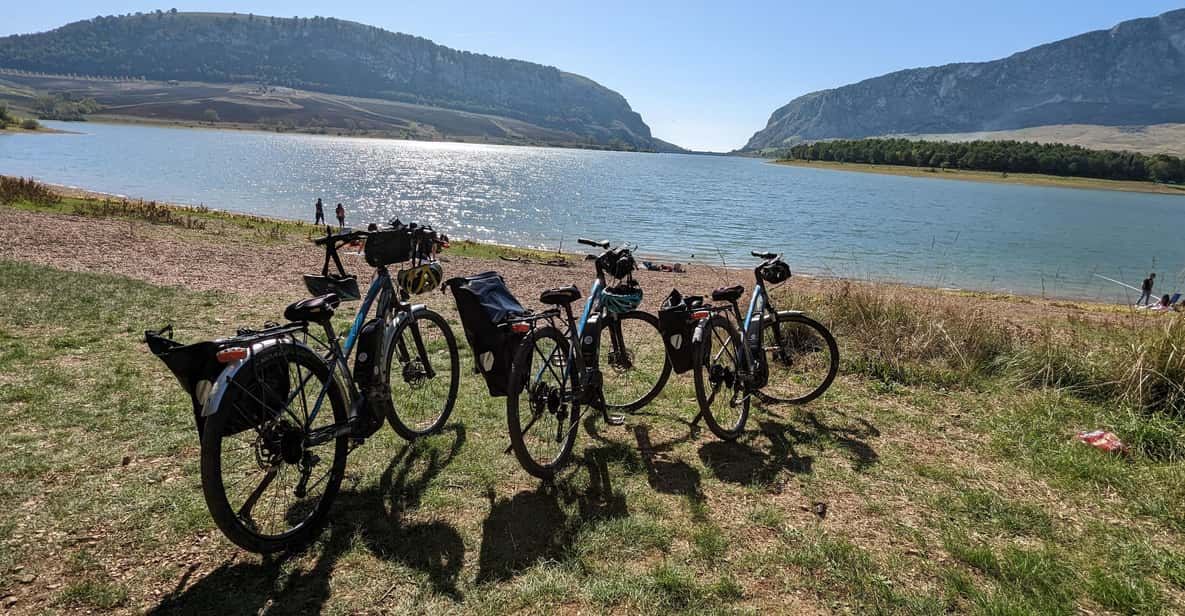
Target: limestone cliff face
pixel 1132 74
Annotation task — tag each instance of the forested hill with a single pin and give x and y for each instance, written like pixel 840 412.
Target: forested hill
pixel 328 55
pixel 1132 74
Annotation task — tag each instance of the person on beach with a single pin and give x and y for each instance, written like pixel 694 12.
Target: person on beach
pixel 341 216
pixel 320 213
pixel 1146 290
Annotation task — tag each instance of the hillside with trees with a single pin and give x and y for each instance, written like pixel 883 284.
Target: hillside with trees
pixel 1000 156
pixel 332 56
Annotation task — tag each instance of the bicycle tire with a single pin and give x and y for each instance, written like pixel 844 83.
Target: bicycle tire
pixel 412 375
pixel 781 359
pixel 526 380
pixel 617 373
pixel 719 372
pixel 226 422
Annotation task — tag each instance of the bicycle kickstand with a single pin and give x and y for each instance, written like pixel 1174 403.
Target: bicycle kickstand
pixel 610 419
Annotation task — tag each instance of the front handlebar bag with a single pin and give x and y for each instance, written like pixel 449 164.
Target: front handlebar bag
pixel 389 246
pixel 617 264
pixel 485 304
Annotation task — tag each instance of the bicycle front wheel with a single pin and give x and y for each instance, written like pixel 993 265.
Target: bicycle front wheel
pixel 268 482
pixel 802 356
pixel 423 372
pixel 541 411
pixel 719 385
pixel 633 361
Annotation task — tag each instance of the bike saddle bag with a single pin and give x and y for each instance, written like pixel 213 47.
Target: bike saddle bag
pixel 485 304
pixel 677 326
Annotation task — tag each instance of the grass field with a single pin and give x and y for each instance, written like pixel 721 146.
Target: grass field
pixel 1032 179
pixel 938 475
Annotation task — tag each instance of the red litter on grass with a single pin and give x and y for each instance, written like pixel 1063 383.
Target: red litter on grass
pixel 1101 439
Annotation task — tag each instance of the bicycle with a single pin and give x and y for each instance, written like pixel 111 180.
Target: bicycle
pixel 259 397
pixel 556 369
pixel 784 356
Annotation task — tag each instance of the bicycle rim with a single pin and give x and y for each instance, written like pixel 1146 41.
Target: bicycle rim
pixel 541 415
pixel 423 384
pixel 634 366
pixel 266 489
pixel 802 357
pixel 722 397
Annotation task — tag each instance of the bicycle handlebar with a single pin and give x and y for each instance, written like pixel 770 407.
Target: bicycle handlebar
pixel 764 255
pixel 603 244
pixel 344 238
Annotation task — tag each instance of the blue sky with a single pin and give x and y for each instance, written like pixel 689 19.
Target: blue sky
pixel 704 75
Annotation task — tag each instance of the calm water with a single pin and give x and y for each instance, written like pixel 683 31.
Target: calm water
pixel 925 231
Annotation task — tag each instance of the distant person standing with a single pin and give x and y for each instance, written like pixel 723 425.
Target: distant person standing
pixel 320 213
pixel 1146 290
pixel 341 216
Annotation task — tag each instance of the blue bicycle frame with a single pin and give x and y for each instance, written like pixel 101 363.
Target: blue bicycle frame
pixel 376 286
pixel 756 306
pixel 594 297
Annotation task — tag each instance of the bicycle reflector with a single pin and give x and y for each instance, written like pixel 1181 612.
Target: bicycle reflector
pixel 700 314
pixel 226 356
pixel 520 328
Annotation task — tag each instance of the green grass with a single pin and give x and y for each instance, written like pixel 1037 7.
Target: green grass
pixel 938 475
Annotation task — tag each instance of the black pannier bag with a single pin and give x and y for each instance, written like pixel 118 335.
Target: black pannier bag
pixel 677 326
pixel 485 304
pixel 253 392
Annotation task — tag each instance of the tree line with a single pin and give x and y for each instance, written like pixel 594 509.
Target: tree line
pixel 1002 156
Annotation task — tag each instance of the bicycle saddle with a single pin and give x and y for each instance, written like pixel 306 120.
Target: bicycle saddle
pixel 562 295
pixel 728 294
pixel 315 309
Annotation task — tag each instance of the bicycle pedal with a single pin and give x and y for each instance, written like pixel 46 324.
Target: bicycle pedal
pixel 615 420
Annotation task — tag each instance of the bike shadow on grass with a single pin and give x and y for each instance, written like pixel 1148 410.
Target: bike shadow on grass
pixel 543 524
pixel 748 461
pixel 665 473
pixel 372 516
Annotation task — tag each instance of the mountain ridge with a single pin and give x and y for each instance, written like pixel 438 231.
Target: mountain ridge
pixel 334 56
pixel 1130 74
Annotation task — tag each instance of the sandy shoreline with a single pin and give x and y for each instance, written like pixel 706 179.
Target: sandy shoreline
pixel 701 276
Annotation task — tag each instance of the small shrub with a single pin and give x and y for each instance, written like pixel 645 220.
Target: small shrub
pixel 30 124
pixel 149 211
pixel 29 190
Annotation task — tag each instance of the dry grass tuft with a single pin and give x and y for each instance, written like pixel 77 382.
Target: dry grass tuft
pixel 26 189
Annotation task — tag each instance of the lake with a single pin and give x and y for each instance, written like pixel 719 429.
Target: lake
pixel 934 232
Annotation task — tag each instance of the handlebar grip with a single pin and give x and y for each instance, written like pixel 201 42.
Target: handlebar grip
pixel 764 255
pixel 601 244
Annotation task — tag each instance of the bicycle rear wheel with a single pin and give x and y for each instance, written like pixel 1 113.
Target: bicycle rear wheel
pixel 802 357
pixel 423 370
pixel 541 413
pixel 633 361
pixel 719 389
pixel 267 488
